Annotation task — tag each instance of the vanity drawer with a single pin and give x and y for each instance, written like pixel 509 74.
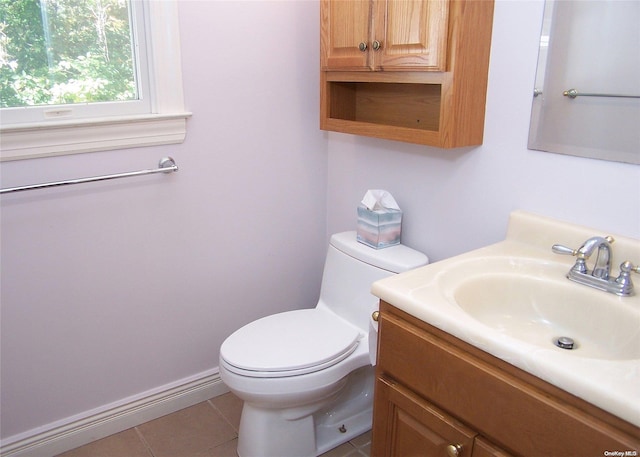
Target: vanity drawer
pixel 512 413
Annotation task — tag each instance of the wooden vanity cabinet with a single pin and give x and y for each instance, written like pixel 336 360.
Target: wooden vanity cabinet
pixel 434 391
pixel 406 70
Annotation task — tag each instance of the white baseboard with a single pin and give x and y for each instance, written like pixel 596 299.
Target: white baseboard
pixel 50 441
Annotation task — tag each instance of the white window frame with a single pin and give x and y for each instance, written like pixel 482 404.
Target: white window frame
pixel 166 124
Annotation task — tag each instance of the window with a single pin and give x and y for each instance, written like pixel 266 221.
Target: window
pixel 66 57
pixel 98 75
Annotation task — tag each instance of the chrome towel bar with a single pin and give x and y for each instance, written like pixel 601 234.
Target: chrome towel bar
pixel 573 93
pixel 167 165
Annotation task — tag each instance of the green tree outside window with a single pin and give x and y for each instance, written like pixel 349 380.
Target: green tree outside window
pixel 65 52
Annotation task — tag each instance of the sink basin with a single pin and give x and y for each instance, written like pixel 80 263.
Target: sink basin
pixel 540 311
pixel 512 300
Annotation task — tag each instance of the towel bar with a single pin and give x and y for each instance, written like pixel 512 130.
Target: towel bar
pixel 167 165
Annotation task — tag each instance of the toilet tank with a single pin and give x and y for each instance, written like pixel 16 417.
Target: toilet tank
pixel 350 269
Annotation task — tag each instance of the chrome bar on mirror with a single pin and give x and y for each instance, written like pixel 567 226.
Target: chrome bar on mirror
pixel 573 93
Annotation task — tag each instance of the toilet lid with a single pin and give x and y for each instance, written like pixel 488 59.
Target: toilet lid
pixel 290 343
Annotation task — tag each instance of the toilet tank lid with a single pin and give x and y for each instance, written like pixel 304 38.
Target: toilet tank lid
pixel 396 258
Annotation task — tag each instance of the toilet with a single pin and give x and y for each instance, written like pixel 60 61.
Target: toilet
pixel 306 376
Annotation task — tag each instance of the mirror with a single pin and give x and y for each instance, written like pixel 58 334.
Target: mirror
pixel 586 99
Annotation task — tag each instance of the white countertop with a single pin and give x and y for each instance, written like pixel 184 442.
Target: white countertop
pixel 613 385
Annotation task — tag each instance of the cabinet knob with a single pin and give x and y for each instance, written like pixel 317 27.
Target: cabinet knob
pixel 375 315
pixel 376 45
pixel 362 46
pixel 454 450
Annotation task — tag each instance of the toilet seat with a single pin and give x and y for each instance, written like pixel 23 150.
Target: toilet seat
pixel 289 344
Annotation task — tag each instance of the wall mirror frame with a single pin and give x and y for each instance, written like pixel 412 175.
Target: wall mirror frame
pixel 586 100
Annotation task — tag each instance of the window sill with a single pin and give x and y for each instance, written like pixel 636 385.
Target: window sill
pixel 30 141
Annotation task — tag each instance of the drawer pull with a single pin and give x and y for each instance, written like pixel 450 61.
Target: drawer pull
pixel 454 450
pixel 375 315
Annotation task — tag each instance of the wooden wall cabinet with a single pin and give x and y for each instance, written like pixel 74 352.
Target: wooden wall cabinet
pixel 436 395
pixel 384 35
pixel 406 70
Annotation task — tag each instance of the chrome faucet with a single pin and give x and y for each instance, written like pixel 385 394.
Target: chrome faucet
pixel 599 277
pixel 602 265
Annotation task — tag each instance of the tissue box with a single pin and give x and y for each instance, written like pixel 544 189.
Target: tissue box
pixel 379 228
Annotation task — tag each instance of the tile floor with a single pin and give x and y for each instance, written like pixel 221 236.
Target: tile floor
pixel 208 429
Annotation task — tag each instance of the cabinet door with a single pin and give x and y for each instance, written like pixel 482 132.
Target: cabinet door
pixel 483 448
pixel 411 34
pixel 344 28
pixel 406 425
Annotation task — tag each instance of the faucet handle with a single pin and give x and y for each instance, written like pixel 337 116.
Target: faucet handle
pixel 628 267
pixel 563 250
pixel 580 266
pixel 624 279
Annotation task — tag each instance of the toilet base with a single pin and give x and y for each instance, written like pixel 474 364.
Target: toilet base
pixel 313 429
pixel 266 432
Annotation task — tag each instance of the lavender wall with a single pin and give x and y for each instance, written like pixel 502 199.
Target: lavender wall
pixel 117 288
pixel 459 200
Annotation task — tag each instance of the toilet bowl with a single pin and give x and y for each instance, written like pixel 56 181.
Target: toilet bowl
pixel 306 376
